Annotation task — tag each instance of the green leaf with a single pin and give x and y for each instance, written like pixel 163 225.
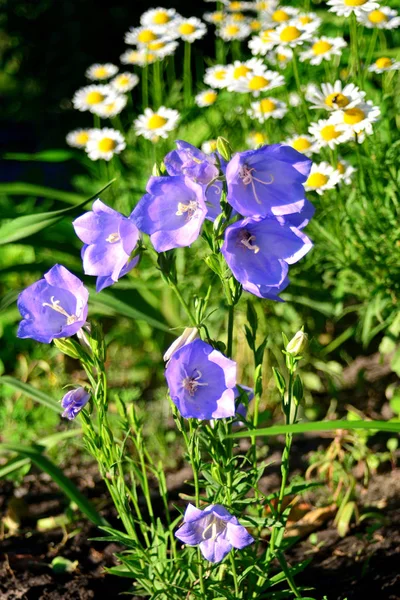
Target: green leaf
pixel 21 188
pixel 65 484
pixel 45 156
pixel 320 426
pixel 31 392
pixel 23 227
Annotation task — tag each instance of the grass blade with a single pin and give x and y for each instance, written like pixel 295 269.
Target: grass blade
pixel 31 392
pixel 393 426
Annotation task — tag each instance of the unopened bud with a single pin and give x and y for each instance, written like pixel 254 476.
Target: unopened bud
pixel 187 336
pixel 224 148
pixel 297 344
pixel 156 171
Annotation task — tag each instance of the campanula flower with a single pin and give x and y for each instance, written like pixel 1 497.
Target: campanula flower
pixel 202 382
pixel 267 181
pixel 172 212
pixel 215 530
pixel 109 239
pixel 53 307
pixel 259 252
pixel 199 167
pixel 73 402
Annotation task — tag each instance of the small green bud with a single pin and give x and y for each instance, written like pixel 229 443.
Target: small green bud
pixel 68 347
pixel 279 380
pixel 224 148
pixel 156 172
pixel 297 344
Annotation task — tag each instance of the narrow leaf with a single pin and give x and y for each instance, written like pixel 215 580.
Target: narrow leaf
pixel 31 392
pixel 321 426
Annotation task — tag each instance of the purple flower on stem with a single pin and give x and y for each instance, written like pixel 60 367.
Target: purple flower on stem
pixel 259 252
pixel 201 382
pixel 73 402
pixel 267 181
pixel 53 307
pixel 215 530
pixel 109 239
pixel 172 212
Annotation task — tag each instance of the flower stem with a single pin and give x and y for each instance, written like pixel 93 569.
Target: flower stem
pixel 298 85
pixel 184 304
pixel 231 309
pixel 157 86
pixel 187 74
pixel 145 87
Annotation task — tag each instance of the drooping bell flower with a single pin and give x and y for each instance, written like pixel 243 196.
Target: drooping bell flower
pixel 172 212
pixel 214 530
pixel 53 307
pixel 109 238
pixel 73 402
pixel 259 252
pixel 267 181
pixel 202 381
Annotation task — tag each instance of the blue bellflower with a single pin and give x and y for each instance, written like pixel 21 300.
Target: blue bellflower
pixel 202 381
pixel 267 181
pixel 53 307
pixel 259 252
pixel 214 530
pixel 73 402
pixel 109 239
pixel 172 212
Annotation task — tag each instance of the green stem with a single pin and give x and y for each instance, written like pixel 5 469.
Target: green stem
pixel 234 574
pixel 187 74
pixel 184 304
pixel 298 85
pixel 355 65
pixel 231 309
pixel 157 88
pixel 145 87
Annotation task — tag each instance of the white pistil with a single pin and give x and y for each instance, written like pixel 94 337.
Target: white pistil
pixel 55 305
pixel 192 383
pixel 247 240
pixel 188 209
pixel 246 174
pixel 113 237
pixel 216 528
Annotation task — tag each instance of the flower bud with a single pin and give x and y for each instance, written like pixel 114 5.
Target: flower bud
pixel 224 148
pixel 297 344
pixel 187 336
pixel 74 401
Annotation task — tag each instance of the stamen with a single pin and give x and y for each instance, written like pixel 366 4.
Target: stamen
pixel 216 527
pixel 192 383
pixel 55 305
pixel 246 173
pixel 113 237
pixel 188 209
pixel 247 240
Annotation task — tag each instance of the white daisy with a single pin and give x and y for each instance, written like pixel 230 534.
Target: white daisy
pixel 143 36
pixel 303 143
pixel 209 146
pixel 162 48
pixel 111 107
pixel 190 29
pixel 346 171
pixel 138 57
pixel 206 98
pixel 322 177
pixel 262 6
pixel 327 134
pixel 333 97
pixel 238 6
pixel 240 70
pixel 294 99
pixel 323 48
pixel 280 57
pixel 290 36
pixel 255 25
pixel 215 76
pixel 256 139
pixel 311 20
pixel 261 44
pixel 158 18
pixel 78 138
pixel 87 97
pixel 267 108
pixel 104 143
pixel 344 8
pixel 153 125
pixel 101 72
pixel 215 17
pixel 124 82
pixel 384 64
pixel 282 14
pixel 381 18
pixel 255 83
pixel 233 31
pixel 357 120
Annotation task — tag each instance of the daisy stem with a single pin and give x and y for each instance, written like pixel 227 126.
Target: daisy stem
pixel 355 65
pixel 298 85
pixel 184 304
pixel 219 50
pixel 187 74
pixel 371 48
pixel 235 47
pixel 145 86
pixel 157 98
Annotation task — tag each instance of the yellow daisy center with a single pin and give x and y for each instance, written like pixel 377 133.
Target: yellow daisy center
pixel 280 16
pixel 210 97
pixel 220 74
pixel 241 71
pixel 321 47
pixel 383 63
pixel 258 82
pixel 317 180
pixel 94 98
pixel 150 57
pixel 82 138
pixel 107 144
pixel 160 18
pixel 305 19
pixel 212 145
pixel 122 80
pixel 232 29
pixel 235 6
pixel 262 5
pixel 267 105
pixel 217 17
pixel 156 121
pixel 281 57
pixel 341 168
pixel 100 72
pixel 337 99
pixel 146 36
pixel 355 2
pixel 258 138
pixel 156 45
pixel 377 16
pixel 238 17
pixel 353 116
pixel 301 144
pixel 266 35
pixel 187 28
pixel 329 132
pixel 289 34
pixel 255 25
